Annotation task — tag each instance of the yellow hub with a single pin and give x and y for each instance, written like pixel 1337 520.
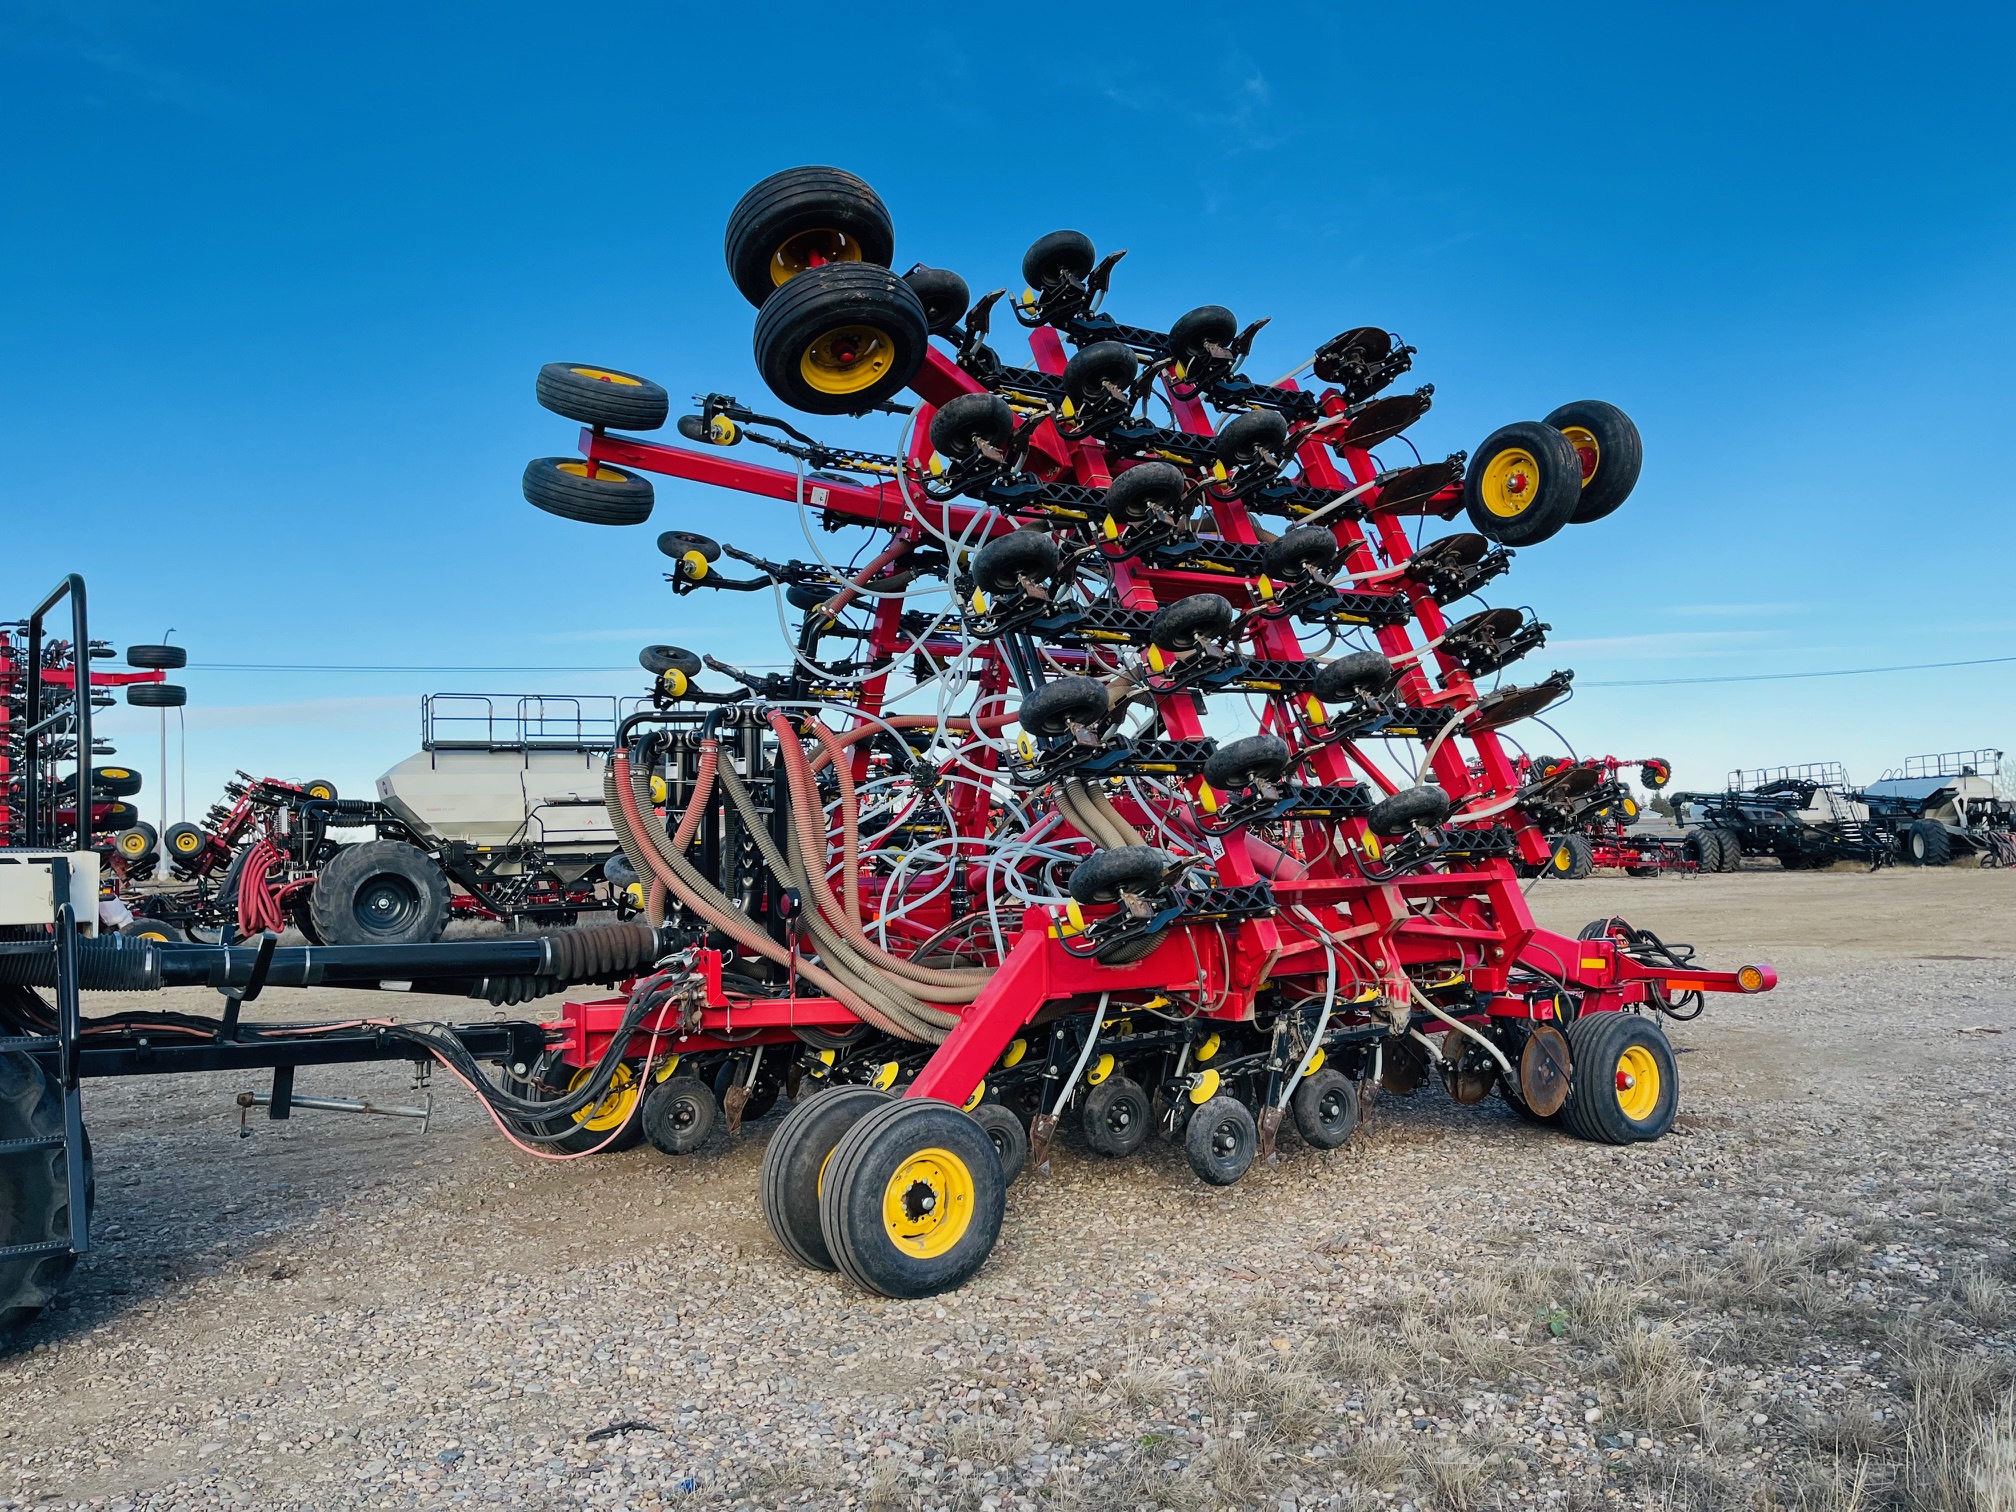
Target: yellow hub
pixel 1511 482
pixel 848 360
pixel 133 844
pixel 807 250
pixel 603 375
pixel 928 1204
pixel 187 844
pixel 1563 861
pixel 1586 448
pixel 599 475
pixel 1637 1083
pixel 615 1108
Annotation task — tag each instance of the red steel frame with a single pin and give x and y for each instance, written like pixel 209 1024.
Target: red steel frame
pixel 13 680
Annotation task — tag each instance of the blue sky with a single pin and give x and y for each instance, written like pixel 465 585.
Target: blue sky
pixel 279 279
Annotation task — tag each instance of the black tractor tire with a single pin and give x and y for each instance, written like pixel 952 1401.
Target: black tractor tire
pixel 382 892
pixel 1117 1117
pixel 1523 484
pixel 1053 708
pixel 1703 848
pixel 1325 1107
pixel 1052 259
pixel 1362 674
pixel 944 295
pixel 1611 1055
pixel 1926 843
pixel 156 695
pixel 680 1114
pixel 1610 451
pixel 1300 552
pixel 1140 491
pixel 592 395
pixel 1250 433
pixel 1220 1140
pixel 1243 762
pixel 1407 808
pixel 800 210
pixel 965 421
pixel 1092 367
pixel 1000 565
pixel 1574 858
pixel 594 493
pixel 1011 1139
pixel 1730 858
pixel 114 781
pixel 794 1165
pixel 841 339
pixel 1181 625
pixel 34 1190
pixel 1194 328
pixel 157 658
pixel 1102 877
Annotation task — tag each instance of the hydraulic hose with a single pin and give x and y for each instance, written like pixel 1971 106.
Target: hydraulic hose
pixel 850 818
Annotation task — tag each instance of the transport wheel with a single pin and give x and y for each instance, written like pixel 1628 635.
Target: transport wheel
pixel 1254 435
pixel 762 1097
pixel 795 1164
pixel 1011 1140
pixel 1523 484
pixel 1140 491
pixel 1304 550
pixel 185 842
pixel 840 339
pixel 1730 851
pixel 1325 1107
pixel 1623 1082
pixel 602 396
pixel 1211 325
pixel 156 695
pixel 114 782
pixel 944 296
pixel 112 818
pixel 912 1202
pixel 1574 858
pixel 679 1114
pixel 794 220
pixel 1052 259
pixel 1102 877
pixel 139 842
pixel 1407 808
pixel 1093 367
pixel 1221 1140
pixel 153 929
pixel 1610 452
pixel 1117 1117
pixel 382 892
pixel 157 658
pixel 34 1189
pixel 1002 564
pixel 1053 708
pixel 1348 679
pixel 1182 625
pixel 965 421
pixel 587 1129
pixel 593 493
pixel 1243 762
pixel 1926 843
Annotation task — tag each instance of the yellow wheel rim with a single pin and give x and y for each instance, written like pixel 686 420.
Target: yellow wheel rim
pixel 600 474
pixel 1586 448
pixel 848 360
pixel 148 934
pixel 615 1109
pixel 1563 861
pixel 321 790
pixel 187 845
pixel 134 844
pixel 1630 808
pixel 796 255
pixel 114 774
pixel 603 375
pixel 928 1205
pixel 1511 483
pixel 1637 1083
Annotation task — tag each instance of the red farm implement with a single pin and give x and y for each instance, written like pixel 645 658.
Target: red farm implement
pixel 1588 809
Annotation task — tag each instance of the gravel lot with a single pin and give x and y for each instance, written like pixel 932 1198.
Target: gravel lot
pixel 1804 1297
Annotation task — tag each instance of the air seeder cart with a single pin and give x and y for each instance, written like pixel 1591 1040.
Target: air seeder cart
pixel 1946 804
pixel 1807 816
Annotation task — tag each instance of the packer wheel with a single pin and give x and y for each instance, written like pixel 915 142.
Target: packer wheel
pixel 618 1110
pixel 795 1163
pixel 1011 1139
pixel 1325 1106
pixel 912 1201
pixel 1117 1117
pixel 321 789
pixel 1623 1080
pixel 1220 1141
pixel 114 782
pixel 679 1114
pixel 34 1190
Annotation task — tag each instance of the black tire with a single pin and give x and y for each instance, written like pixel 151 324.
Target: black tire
pixel 382 892
pixel 602 396
pixel 1362 674
pixel 1102 877
pixel 1325 1107
pixel 680 544
pixel 1611 1056
pixel 841 339
pixel 157 658
pixel 1060 255
pixel 1608 447
pixel 1926 843
pixel 34 1190
pixel 762 1097
pixel 1117 1117
pixel 936 1170
pixel 1574 858
pixel 109 819
pixel 139 842
pixel 114 781
pixel 1000 565
pixel 1407 808
pixel 1053 708
pixel 592 493
pixel 1304 550
pixel 156 695
pixel 1092 367
pixel 794 1163
pixel 1140 491
pixel 1181 625
pixel 1654 775
pixel 321 789
pixel 1523 483
pixel 1207 323
pixel 680 1114
pixel 658 660
pixel 800 210
pixel 1011 1140
pixel 944 295
pixel 965 421
pixel 185 842
pixel 620 1113
pixel 1702 848
pixel 1730 857
pixel 1220 1141
pixel 1241 763
pixel 154 929
pixel 1249 434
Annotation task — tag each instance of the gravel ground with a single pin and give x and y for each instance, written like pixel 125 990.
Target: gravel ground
pixel 1804 1297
